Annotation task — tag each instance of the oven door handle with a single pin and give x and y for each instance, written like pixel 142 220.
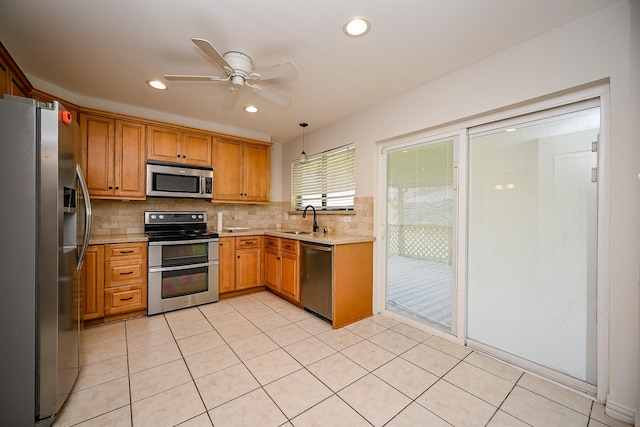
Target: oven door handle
pixel 180 267
pixel 182 242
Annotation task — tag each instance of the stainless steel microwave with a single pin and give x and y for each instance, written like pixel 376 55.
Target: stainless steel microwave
pixel 164 180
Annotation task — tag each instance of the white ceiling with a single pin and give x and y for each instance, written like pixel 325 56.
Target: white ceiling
pixel 103 51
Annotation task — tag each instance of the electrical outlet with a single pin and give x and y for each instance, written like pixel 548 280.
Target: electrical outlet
pixel 286 216
pixel 346 219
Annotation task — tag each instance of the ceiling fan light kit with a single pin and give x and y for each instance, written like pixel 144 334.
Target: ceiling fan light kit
pixel 238 68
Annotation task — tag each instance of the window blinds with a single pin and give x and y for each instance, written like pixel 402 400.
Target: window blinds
pixel 327 181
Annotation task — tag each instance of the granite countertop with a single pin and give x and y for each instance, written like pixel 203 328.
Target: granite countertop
pixel 117 238
pixel 320 237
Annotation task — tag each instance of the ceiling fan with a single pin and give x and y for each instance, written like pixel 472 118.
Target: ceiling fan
pixel 239 70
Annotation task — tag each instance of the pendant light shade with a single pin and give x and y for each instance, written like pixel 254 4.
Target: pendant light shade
pixel 303 155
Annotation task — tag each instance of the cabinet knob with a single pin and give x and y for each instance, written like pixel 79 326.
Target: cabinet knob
pixel 238 256
pixel 110 188
pixel 178 155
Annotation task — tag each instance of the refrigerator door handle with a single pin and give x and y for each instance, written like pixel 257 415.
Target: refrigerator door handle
pixel 87 221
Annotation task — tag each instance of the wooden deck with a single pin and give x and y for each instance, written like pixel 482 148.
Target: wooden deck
pixel 420 290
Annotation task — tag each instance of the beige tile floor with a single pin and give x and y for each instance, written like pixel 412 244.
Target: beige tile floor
pixel 256 360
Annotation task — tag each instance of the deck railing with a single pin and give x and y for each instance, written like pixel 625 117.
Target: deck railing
pixel 431 242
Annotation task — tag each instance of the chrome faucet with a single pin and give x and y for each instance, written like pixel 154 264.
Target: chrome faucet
pixel 315 223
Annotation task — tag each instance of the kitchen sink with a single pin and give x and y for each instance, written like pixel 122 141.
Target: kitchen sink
pixel 297 232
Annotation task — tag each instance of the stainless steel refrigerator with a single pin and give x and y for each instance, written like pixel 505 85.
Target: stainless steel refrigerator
pixel 45 217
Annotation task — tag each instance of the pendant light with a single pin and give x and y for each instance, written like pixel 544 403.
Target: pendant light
pixel 303 155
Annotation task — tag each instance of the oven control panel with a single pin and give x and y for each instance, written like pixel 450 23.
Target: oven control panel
pixel 175 217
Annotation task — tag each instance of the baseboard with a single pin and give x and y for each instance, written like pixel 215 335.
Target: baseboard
pixel 619 412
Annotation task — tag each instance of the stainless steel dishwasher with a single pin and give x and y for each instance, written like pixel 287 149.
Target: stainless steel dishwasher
pixel 316 279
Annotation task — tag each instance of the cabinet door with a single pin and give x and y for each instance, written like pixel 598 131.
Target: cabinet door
pixel 257 172
pixel 248 268
pixel 127 272
pixel 290 276
pixel 130 151
pixel 16 87
pixel 272 269
pixel 126 251
pixel 4 78
pixel 125 299
pixel 97 154
pixel 163 144
pixel 93 274
pixel 196 149
pixel 227 169
pixel 226 272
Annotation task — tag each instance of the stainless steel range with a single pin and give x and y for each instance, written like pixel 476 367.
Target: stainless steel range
pixel 183 261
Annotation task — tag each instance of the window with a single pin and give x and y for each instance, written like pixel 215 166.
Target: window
pixel 327 181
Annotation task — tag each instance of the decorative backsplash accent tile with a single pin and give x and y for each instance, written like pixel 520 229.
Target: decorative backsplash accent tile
pixel 114 217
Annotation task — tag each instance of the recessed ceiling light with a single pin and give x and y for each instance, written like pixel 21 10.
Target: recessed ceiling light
pixel 356 26
pixel 511 130
pixel 251 109
pixel 157 84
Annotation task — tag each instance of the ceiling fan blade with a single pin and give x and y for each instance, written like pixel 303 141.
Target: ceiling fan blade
pixel 230 98
pixel 190 78
pixel 212 53
pixel 288 69
pixel 272 96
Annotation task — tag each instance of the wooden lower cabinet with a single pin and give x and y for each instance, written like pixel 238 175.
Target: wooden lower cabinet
pixel 240 263
pixel 124 299
pixel 227 266
pixel 282 267
pixel 115 281
pixel 93 278
pixel 352 283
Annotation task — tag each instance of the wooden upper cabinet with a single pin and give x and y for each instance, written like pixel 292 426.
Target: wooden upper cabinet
pixel 163 144
pixel 4 78
pixel 172 145
pixel 196 149
pixel 227 169
pixel 256 172
pixel 12 80
pixel 113 157
pixel 98 143
pixel 241 170
pixel 130 169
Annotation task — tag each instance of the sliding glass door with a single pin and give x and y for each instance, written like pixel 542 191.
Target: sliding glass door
pixel 421 213
pixel 532 227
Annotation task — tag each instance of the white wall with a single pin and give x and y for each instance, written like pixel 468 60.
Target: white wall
pixel 598 46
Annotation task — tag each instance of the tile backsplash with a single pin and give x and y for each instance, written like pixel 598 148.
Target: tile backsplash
pixel 127 217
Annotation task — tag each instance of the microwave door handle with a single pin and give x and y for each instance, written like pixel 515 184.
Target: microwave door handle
pixel 202 184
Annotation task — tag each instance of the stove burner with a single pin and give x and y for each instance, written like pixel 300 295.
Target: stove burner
pixel 174 226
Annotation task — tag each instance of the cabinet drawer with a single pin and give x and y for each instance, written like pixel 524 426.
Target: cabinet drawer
pixel 248 242
pixel 272 243
pixel 118 273
pixel 125 299
pixel 122 251
pixel 290 246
